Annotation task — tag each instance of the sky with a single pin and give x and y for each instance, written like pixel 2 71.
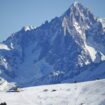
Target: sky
pixel 14 14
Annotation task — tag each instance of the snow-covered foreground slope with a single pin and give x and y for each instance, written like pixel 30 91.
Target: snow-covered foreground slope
pixel 85 93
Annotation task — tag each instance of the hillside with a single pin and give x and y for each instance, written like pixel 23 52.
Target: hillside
pixel 85 93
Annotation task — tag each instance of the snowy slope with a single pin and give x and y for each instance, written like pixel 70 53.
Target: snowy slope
pixel 85 93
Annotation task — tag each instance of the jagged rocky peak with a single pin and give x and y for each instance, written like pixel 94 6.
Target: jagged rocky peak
pixel 76 5
pixel 79 13
pixel 77 18
pixel 77 8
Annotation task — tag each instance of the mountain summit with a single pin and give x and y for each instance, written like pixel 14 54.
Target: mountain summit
pixel 79 17
pixel 69 48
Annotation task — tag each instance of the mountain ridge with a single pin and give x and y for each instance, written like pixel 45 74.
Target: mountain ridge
pixel 64 48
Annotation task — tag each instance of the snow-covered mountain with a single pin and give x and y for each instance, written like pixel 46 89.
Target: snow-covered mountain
pixel 85 93
pixel 68 48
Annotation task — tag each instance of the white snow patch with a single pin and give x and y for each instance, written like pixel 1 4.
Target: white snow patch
pixel 3 46
pixel 91 51
pixel 27 28
pixel 5 86
pixel 96 50
pixel 65 25
pixel 4 62
pixel 12 46
pixel 57 73
pixel 78 28
pixel 102 20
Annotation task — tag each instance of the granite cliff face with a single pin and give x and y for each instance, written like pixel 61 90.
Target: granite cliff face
pixel 69 48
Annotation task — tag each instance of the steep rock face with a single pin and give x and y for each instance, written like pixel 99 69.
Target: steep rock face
pixel 56 51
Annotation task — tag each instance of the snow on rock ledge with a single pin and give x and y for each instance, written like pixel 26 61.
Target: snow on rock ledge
pixel 28 28
pixel 4 47
pixel 5 86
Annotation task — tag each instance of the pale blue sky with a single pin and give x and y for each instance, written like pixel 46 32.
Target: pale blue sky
pixel 14 14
